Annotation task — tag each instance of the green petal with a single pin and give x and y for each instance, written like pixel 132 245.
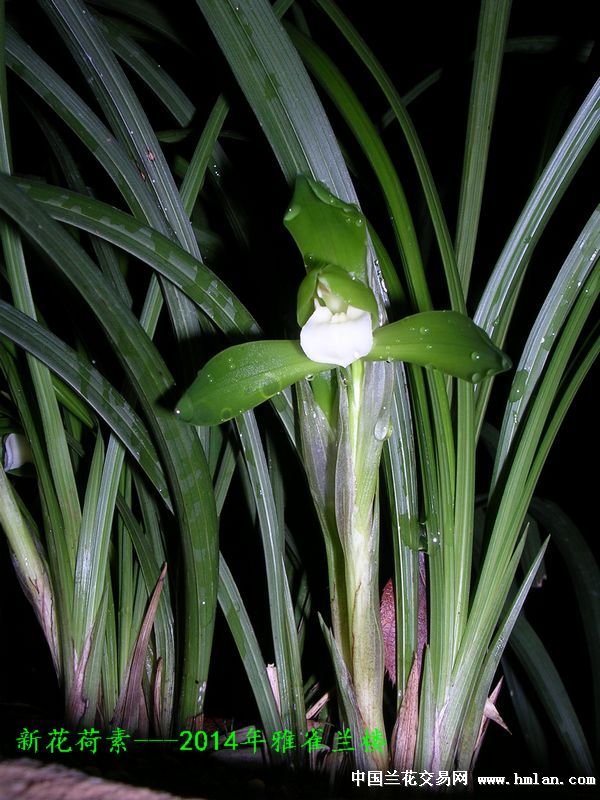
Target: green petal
pixel 446 340
pixel 349 289
pixel 326 229
pixel 306 295
pixel 241 377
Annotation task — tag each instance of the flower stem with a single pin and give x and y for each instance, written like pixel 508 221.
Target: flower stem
pixel 361 528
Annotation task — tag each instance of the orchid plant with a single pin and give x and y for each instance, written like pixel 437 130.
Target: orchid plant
pixel 119 530
pixel 340 329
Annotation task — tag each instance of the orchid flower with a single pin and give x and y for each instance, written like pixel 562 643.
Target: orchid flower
pixel 338 317
pixel 344 311
pixel 16 451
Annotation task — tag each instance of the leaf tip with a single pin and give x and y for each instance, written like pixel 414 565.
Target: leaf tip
pixel 185 409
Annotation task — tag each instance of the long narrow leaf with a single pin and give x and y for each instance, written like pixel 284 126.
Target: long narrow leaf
pixel 89 384
pixel 184 459
pixel 548 685
pixel 498 302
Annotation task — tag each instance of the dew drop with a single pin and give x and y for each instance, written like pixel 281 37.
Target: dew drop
pixel 519 384
pixel 475 356
pixel 382 429
pixel 382 282
pixel 424 330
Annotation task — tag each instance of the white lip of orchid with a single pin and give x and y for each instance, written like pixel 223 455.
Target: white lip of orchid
pixel 337 338
pixel 16 451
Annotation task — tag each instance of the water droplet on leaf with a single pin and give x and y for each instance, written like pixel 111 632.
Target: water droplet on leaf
pixel 382 429
pixel 519 385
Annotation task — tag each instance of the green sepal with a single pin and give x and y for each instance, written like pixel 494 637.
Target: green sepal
pixel 306 296
pixel 343 288
pixel 326 229
pixel 243 376
pixel 446 340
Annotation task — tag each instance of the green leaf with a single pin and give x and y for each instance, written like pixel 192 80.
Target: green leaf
pixel 179 448
pixel 585 577
pixel 500 296
pixel 491 39
pixel 530 727
pixel 285 638
pixel 86 125
pixel 29 563
pixel 241 377
pixel 347 695
pixel 145 14
pixel 79 373
pixel 467 746
pixel 279 91
pixel 326 229
pixel 570 282
pixel 234 610
pixel 165 89
pixel 551 690
pixel 446 340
